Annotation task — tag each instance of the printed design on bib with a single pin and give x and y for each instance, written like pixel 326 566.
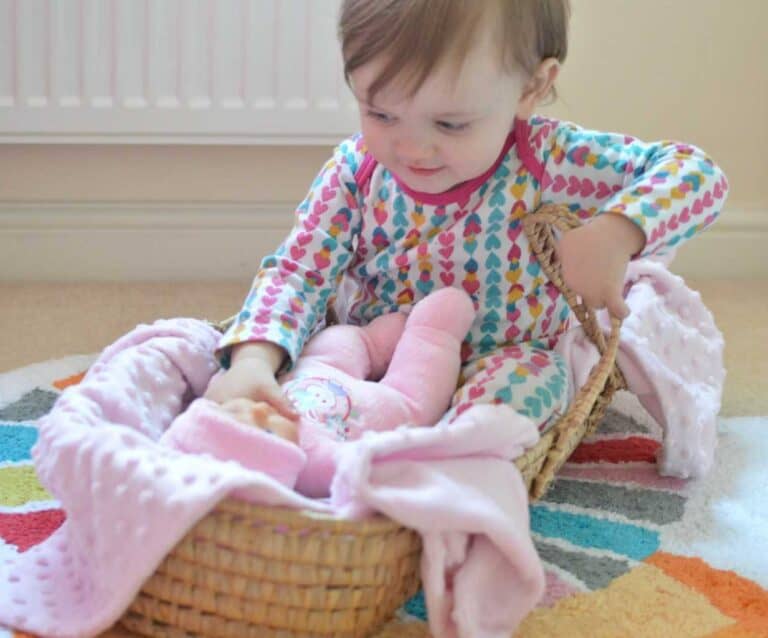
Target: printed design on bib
pixel 323 401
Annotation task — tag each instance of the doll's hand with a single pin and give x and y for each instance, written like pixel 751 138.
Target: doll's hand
pixel 261 415
pixel 594 259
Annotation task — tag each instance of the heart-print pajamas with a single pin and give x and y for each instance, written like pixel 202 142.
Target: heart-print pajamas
pixel 362 231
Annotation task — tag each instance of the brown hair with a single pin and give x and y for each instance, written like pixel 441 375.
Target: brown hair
pixel 415 35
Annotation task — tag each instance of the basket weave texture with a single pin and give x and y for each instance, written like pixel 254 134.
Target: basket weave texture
pixel 249 571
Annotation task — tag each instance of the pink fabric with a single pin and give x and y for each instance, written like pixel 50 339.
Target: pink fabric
pixel 204 428
pixel 350 380
pixel 129 499
pixel 671 354
pixel 456 486
pixel 364 171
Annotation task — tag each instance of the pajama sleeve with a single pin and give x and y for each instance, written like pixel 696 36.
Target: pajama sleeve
pixel 670 190
pixel 292 288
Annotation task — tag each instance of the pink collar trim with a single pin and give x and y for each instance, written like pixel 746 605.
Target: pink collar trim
pixel 463 191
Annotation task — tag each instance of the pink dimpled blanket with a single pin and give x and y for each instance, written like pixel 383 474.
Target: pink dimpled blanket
pixel 128 499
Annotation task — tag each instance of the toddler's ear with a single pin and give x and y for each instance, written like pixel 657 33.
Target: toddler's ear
pixel 538 88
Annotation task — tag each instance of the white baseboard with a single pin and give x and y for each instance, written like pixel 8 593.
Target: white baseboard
pixel 153 242
pixel 138 242
pixel 735 247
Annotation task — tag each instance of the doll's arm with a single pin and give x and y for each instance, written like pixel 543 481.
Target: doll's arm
pixel 360 352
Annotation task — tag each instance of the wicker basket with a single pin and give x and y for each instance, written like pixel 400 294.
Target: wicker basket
pixel 248 571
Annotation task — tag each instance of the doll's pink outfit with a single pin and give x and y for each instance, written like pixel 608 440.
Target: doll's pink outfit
pixel 397 370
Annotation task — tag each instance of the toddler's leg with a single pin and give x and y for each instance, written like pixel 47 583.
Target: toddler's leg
pixel 531 380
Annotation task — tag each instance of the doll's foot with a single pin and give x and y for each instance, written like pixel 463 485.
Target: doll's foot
pixel 449 310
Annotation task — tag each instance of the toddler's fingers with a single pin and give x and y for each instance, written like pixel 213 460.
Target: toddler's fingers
pixel 281 404
pixel 220 390
pixel 617 307
pixel 213 391
pixel 593 301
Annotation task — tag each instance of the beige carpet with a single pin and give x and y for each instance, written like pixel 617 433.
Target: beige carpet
pixel 46 321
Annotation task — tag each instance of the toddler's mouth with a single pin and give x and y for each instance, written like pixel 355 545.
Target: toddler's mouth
pixel 425 171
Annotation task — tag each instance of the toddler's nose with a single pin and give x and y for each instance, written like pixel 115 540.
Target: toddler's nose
pixel 415 151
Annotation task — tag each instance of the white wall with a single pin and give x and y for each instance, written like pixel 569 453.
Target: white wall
pixel 689 69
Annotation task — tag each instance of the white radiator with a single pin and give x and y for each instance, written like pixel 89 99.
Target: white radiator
pixel 179 71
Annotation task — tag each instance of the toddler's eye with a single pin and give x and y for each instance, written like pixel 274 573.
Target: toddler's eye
pixel 380 117
pixel 452 127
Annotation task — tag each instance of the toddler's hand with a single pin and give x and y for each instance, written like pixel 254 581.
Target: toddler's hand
pixel 594 260
pixel 250 378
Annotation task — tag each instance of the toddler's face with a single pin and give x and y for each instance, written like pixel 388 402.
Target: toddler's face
pixel 451 130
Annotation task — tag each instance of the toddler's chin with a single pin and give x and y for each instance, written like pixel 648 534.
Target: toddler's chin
pixel 433 187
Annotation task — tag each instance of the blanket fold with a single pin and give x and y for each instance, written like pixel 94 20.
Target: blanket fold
pixel 671 354
pixel 456 485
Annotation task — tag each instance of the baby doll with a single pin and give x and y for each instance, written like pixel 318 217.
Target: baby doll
pixel 397 370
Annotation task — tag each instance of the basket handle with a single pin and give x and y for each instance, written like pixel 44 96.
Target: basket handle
pixel 539 227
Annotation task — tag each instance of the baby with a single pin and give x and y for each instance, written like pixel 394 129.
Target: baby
pixel 432 194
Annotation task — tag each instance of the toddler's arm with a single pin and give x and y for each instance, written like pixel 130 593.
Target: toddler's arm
pixel 291 290
pixel 594 261
pixel 656 196
pixel 669 190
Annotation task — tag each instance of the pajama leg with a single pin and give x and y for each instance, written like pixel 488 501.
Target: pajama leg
pixel 530 379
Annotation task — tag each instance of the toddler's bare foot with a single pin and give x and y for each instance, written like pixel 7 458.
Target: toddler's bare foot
pixel 261 415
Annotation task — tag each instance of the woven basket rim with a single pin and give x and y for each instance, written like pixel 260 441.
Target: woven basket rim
pixel 370 523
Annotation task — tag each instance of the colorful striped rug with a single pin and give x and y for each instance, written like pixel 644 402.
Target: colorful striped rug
pixel 627 553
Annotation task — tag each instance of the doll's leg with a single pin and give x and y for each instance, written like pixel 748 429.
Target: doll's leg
pixel 530 379
pixel 425 365
pixel 361 352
